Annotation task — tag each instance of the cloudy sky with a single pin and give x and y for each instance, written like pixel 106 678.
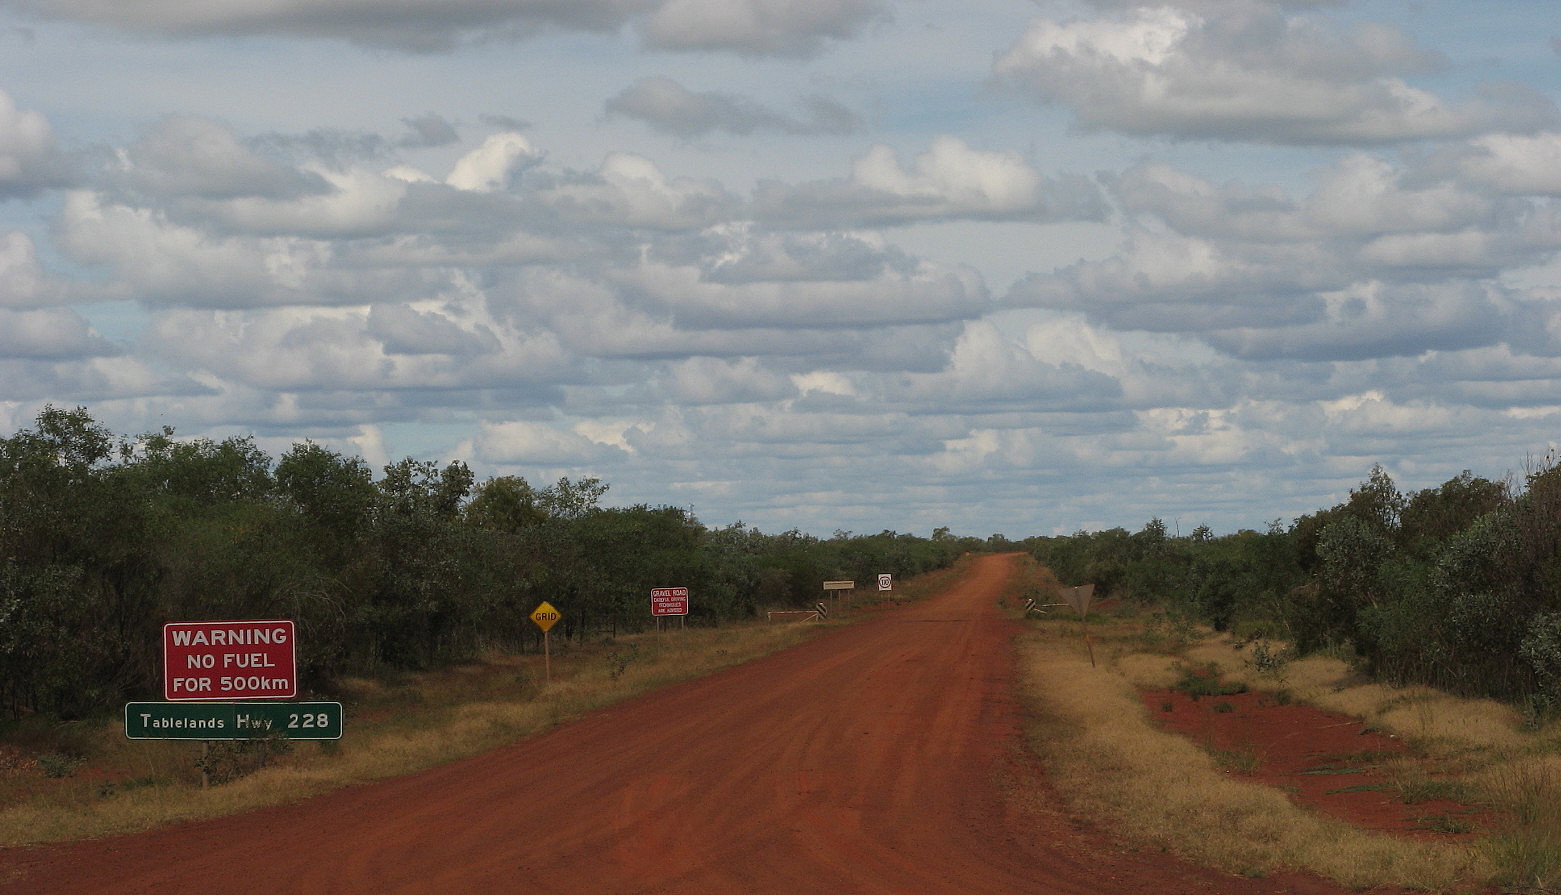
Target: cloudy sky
pixel 998 265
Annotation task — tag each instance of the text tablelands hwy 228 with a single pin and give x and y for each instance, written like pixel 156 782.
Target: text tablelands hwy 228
pixel 232 720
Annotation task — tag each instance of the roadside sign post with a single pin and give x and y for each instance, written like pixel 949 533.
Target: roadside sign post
pixel 545 617
pixel 885 583
pixel 668 601
pixel 232 720
pixel 1079 598
pixel 230 660
pixel 207 665
pixel 833 588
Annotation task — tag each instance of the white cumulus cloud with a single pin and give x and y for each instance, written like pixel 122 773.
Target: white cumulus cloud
pixel 29 156
pixel 1249 70
pixel 950 181
pixel 492 165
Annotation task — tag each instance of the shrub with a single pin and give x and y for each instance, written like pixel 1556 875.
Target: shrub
pixel 1205 681
pixel 59 764
pixel 1541 648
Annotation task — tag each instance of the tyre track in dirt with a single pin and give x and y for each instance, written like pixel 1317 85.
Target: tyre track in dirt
pixel 882 757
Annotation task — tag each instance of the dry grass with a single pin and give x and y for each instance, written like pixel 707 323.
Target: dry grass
pixel 1433 720
pixel 1477 750
pixel 1030 580
pixel 1110 761
pixel 394 727
pixel 1527 853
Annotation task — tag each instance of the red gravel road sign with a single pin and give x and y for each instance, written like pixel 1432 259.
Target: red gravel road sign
pixel 229 660
pixel 668 601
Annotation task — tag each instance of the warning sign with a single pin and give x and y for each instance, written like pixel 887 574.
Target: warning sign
pixel 545 616
pixel 668 601
pixel 229 660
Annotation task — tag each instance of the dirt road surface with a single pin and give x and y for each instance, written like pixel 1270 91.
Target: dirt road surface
pixel 882 757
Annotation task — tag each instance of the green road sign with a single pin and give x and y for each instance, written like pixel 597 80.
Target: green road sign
pixel 232 720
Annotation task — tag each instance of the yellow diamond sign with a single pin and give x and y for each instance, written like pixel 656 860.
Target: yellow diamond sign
pixel 545 616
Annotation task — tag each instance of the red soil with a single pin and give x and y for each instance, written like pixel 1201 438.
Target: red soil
pixel 1325 761
pixel 882 757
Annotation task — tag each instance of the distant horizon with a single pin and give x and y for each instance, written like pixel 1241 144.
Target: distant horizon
pixel 1081 264
pixel 1173 524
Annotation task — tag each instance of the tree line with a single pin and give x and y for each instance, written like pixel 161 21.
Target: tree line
pixel 105 538
pixel 1457 586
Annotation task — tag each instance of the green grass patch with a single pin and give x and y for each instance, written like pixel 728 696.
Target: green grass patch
pixel 1444 823
pixel 1361 787
pixel 1245 760
pixel 1205 681
pixel 1414 790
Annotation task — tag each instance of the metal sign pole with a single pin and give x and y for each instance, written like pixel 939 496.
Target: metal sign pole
pixel 545 617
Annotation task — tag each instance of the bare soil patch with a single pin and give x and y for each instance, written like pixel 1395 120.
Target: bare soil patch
pixel 1328 762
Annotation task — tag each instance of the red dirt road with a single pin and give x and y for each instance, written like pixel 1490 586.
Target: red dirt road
pixel 883 757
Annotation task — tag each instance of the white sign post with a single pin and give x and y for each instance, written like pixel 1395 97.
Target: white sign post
pixel 834 588
pixel 208 661
pixel 1080 598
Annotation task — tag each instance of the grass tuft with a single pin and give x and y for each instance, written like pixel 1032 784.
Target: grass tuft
pixel 1528 850
pixel 1205 680
pixel 59 764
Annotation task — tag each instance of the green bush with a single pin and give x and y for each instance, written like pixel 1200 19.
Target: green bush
pixel 59 764
pixel 1541 648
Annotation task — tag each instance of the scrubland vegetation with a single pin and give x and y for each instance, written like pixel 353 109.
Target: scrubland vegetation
pixel 1111 761
pixel 1457 587
pixel 1434 614
pixel 105 538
